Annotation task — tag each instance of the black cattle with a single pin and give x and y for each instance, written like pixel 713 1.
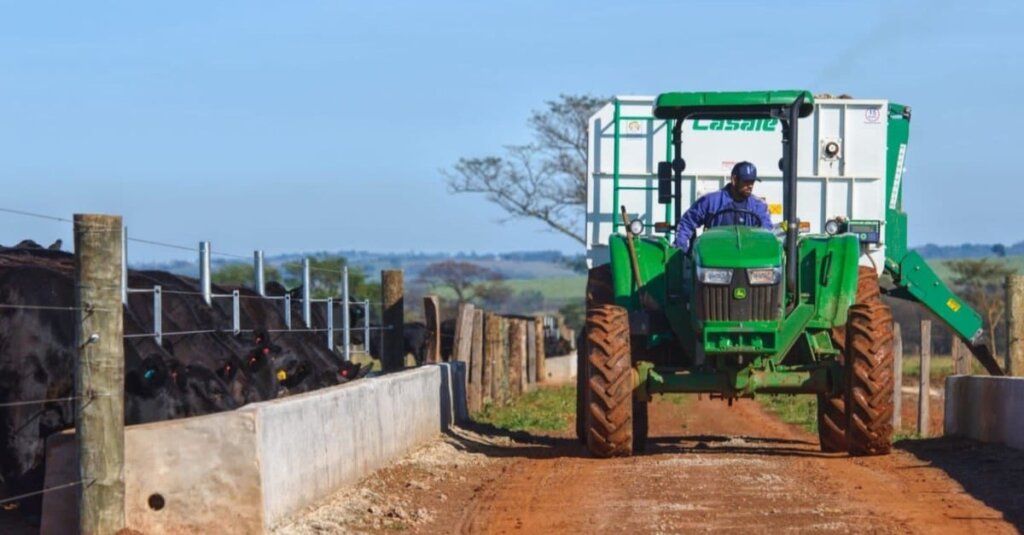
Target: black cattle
pixel 350 371
pixel 447 339
pixel 151 391
pixel 36 363
pixel 186 375
pixel 37 359
pixel 414 341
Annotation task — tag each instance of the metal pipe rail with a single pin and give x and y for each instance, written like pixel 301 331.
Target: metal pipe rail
pixel 236 317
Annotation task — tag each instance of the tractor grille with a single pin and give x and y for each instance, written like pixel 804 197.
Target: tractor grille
pixel 717 302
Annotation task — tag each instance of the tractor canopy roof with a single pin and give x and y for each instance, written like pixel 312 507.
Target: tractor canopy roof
pixel 680 105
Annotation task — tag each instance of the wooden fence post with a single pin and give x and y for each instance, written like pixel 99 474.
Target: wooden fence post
pixel 462 345
pixel 531 353
pixel 502 397
pixel 517 357
pixel 538 325
pixel 491 355
pixel 924 387
pixel 897 373
pixel 524 351
pixel 99 381
pixel 1014 325
pixel 432 315
pixel 476 364
pixel 392 291
pixel 961 360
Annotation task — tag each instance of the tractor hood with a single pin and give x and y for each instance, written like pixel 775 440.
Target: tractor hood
pixel 738 247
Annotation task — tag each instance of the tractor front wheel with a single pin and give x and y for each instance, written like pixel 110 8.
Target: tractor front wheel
pixel 609 396
pixel 869 362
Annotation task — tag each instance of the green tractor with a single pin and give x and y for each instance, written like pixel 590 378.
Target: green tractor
pixel 747 310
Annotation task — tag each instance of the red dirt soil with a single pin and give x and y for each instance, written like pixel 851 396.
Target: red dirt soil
pixel 708 467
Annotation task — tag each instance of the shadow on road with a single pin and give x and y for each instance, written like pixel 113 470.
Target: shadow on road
pixel 739 445
pixel 494 441
pixel 991 473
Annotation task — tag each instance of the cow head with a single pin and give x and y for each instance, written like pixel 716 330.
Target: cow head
pixel 204 392
pixel 257 359
pixel 228 369
pixel 348 371
pixel 149 378
pixel 292 373
pixel 152 391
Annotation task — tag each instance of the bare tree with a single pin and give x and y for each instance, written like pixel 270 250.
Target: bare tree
pixel 982 285
pixel 466 279
pixel 544 180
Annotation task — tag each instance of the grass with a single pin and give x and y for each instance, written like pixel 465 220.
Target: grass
pixel 801 410
pixel 554 287
pixel 363 358
pixel 941 366
pixel 544 409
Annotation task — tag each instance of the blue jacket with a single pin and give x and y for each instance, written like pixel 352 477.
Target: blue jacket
pixel 703 211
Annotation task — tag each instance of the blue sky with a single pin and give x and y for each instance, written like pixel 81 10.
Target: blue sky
pixel 322 125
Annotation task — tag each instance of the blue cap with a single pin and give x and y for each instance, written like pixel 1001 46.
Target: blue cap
pixel 745 171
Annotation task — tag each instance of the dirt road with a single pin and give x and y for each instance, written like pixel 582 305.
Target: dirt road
pixel 709 468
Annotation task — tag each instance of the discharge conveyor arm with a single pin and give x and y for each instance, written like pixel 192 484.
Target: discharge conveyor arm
pixel 915 280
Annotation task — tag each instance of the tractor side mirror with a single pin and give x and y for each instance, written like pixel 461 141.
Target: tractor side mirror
pixel 664 182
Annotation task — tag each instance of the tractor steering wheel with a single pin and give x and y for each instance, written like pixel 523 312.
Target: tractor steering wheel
pixel 737 210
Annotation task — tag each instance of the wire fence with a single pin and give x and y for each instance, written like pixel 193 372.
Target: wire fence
pixel 302 300
pixel 19 497
pixel 207 293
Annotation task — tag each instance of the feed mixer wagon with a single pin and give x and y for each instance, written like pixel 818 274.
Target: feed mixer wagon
pixel 745 310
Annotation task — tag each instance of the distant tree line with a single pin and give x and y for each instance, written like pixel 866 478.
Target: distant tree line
pixel 970 250
pixel 324 277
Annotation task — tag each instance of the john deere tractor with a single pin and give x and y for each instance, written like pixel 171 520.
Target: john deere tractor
pixel 749 311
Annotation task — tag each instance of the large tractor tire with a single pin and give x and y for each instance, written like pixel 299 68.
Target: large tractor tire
pixel 609 392
pixel 869 361
pixel 832 409
pixel 832 423
pixel 581 387
pixel 599 292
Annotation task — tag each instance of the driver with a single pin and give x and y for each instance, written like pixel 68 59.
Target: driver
pixel 731 205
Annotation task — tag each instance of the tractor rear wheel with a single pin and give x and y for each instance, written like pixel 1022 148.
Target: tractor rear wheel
pixel 599 292
pixel 832 410
pixel 609 392
pixel 581 388
pixel 869 373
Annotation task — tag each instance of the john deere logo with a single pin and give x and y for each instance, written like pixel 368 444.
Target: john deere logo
pixel 740 293
pixel 743 125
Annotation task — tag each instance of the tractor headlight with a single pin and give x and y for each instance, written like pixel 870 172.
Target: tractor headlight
pixel 832 227
pixel 762 276
pixel 714 276
pixel 636 227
